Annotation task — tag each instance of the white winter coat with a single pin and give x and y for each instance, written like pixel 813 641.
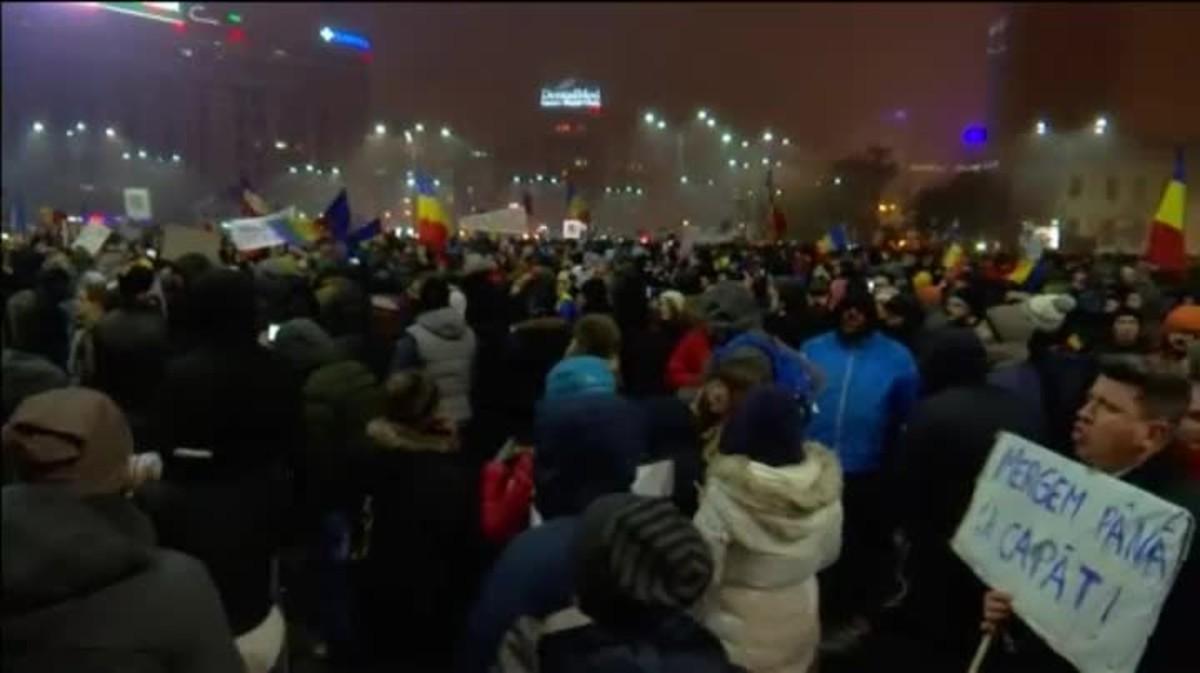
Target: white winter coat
pixel 770 529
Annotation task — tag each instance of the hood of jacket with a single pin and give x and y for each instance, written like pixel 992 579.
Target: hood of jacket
pixel 396 437
pixel 44 530
pixel 952 356
pixel 446 323
pixel 774 509
pixel 587 446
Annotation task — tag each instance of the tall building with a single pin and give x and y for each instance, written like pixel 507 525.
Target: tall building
pixel 196 100
pixel 1089 103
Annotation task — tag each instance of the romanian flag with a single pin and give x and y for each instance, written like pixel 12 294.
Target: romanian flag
pixel 1166 248
pixel 1029 273
pixel 953 258
pixel 433 227
pixel 577 208
pixel 835 240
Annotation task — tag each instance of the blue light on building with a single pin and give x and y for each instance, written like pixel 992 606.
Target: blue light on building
pixel 975 135
pixel 345 38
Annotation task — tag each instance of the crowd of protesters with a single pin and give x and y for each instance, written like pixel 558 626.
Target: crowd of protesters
pixel 526 455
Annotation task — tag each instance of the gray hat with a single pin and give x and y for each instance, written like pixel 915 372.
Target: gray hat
pixel 635 555
pixel 730 305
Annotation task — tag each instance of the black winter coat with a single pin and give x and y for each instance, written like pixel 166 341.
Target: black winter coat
pixel 122 605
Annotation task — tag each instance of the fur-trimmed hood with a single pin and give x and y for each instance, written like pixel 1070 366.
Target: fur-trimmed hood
pixel 775 508
pixel 394 437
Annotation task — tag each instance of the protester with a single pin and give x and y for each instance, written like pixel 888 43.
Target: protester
pixel 536 342
pixel 771 512
pixel 422 552
pixel 597 334
pixel 587 446
pixel 443 345
pixel 945 444
pixel 1180 330
pixel 85 586
pixel 638 566
pixel 872 384
pixel 1127 428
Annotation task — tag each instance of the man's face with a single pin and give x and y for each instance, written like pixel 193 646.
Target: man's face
pixel 853 321
pixel 1112 432
pixel 1189 427
pixel 1126 330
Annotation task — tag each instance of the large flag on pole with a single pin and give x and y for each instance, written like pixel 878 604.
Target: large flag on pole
pixel 577 208
pixel 1166 248
pixel 433 227
pixel 337 216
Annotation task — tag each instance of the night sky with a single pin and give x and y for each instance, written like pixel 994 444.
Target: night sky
pixel 826 74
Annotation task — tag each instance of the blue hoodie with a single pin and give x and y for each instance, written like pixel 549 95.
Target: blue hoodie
pixel 586 446
pixel 870 385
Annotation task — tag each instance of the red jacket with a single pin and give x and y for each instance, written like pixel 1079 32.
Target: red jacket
pixel 506 492
pixel 685 369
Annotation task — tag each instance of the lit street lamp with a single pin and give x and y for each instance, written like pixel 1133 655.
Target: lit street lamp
pixel 38 127
pixel 380 130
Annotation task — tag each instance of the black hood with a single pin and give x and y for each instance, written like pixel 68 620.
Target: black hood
pixel 952 356
pixel 223 307
pixel 58 546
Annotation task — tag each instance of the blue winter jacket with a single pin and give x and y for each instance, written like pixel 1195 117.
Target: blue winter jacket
pixel 869 387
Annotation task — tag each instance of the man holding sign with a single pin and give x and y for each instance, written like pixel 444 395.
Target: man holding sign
pixel 1104 571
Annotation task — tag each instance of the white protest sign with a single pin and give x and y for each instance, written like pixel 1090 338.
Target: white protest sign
pixel 92 237
pixel 179 241
pixel 137 203
pixel 573 229
pixel 254 233
pixel 504 221
pixel 1088 559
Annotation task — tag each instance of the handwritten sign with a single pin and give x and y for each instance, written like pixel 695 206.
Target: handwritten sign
pixel 179 241
pixel 137 203
pixel 254 233
pixel 92 237
pixel 1088 559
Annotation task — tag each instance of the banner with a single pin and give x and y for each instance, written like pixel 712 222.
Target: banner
pixel 573 229
pixel 137 203
pixel 92 237
pixel 254 233
pixel 1088 559
pixel 179 241
pixel 510 221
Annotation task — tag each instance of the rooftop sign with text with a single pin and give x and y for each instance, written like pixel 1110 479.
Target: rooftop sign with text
pixel 570 95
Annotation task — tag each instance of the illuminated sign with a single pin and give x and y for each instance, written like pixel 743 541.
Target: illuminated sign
pixel 199 14
pixel 167 12
pixel 570 95
pixel 345 38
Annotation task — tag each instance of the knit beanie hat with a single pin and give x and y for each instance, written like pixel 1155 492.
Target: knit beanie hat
pixel 767 428
pixel 73 436
pixel 580 375
pixel 637 558
pixel 729 305
pixel 411 397
pixel 1183 319
pixel 1048 312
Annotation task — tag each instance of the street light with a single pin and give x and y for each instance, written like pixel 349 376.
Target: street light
pixel 1100 126
pixel 702 114
pixel 768 136
pixel 787 141
pixel 711 123
pixel 1040 127
pixel 38 127
pixel 309 168
pixel 335 170
pixel 516 179
pixel 80 126
pixel 380 129
pixel 292 170
pixel 445 132
pixel 662 124
pixel 837 180
pixel 141 154
pixel 70 133
pixel 110 132
pixel 683 180
pixel 175 158
pixel 733 163
pixel 419 127
pixel 649 118
pixel 745 144
pixel 125 156
pixel 726 138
